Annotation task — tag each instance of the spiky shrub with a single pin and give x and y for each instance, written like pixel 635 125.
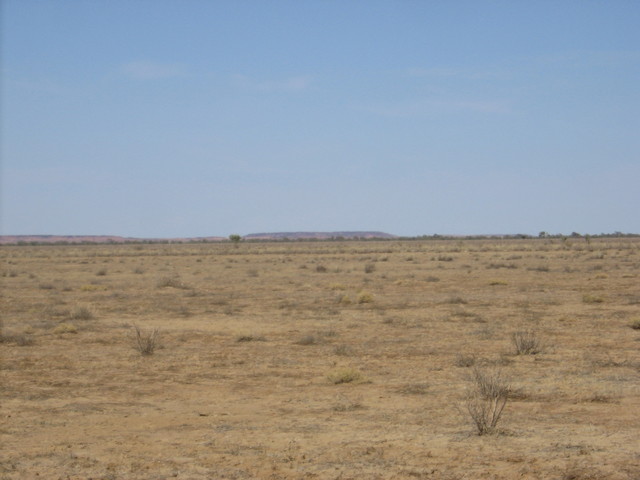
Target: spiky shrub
pixel 486 400
pixel 526 342
pixel 145 341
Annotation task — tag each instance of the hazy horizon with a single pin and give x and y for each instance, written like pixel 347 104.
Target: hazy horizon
pixel 169 119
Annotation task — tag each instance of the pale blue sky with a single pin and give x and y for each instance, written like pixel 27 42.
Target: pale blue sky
pixel 170 118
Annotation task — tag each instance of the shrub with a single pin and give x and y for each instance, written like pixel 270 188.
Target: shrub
pixel 343 350
pixel 588 298
pixel 81 313
pixel 65 327
pixel 251 338
pixel 526 342
pixel 369 268
pixel 173 282
pixel 22 340
pixel 345 375
pixel 365 297
pixel 635 324
pixel 486 400
pixel 308 340
pixel 456 300
pixel 145 341
pixel 344 300
pixel 465 360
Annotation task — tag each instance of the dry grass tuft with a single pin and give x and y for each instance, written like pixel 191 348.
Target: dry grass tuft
pixel 589 298
pixel 65 327
pixel 146 342
pixel 526 342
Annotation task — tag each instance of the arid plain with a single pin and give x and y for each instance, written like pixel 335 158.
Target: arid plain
pixel 327 360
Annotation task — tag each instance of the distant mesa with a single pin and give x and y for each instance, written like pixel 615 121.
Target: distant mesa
pixel 318 236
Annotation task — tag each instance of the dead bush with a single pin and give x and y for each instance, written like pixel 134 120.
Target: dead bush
pixel 82 313
pixel 526 342
pixel 486 399
pixel 145 341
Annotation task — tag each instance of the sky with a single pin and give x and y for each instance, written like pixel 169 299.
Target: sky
pixel 185 118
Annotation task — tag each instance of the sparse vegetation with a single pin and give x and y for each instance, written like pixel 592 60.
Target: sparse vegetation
pixel 261 355
pixel 145 341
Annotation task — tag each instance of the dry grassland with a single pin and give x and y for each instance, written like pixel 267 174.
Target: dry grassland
pixel 328 360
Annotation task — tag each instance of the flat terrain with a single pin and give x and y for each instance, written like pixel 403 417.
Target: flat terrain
pixel 327 360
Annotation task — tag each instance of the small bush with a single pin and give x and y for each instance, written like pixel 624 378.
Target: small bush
pixel 369 268
pixel 526 342
pixel 486 400
pixel 102 272
pixel 251 338
pixel 308 340
pixel 465 361
pixel 81 313
pixel 635 324
pixel 145 341
pixel 345 375
pixel 343 350
pixel 456 300
pixel 65 327
pixel 414 389
pixel 365 297
pixel 321 269
pixel 173 282
pixel 344 300
pixel 588 298
pixel 21 340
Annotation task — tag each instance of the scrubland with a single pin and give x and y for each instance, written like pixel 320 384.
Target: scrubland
pixel 327 360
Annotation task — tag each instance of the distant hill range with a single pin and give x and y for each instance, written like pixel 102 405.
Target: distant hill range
pixel 84 239
pixel 318 236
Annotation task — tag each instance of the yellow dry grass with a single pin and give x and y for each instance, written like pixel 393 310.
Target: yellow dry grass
pixel 336 360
